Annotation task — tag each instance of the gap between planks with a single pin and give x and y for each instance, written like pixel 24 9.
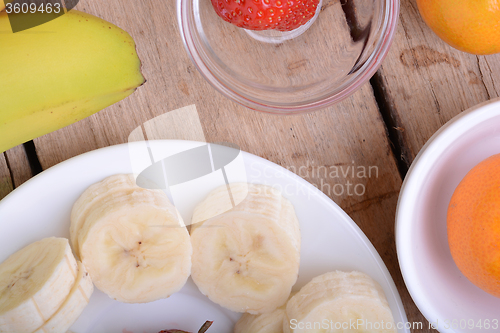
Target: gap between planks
pixel 31 155
pixel 394 132
pixel 6 176
pixel 396 141
pixel 17 166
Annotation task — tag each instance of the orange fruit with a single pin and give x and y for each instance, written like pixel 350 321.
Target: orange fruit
pixel 472 26
pixel 474 225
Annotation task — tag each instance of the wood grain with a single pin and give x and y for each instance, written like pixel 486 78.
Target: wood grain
pixel 428 82
pixel 14 169
pixel 5 178
pixel 19 165
pixel 348 135
pixel 180 124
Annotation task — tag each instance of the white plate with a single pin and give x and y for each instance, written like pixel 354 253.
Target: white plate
pixel 330 239
pixel 435 283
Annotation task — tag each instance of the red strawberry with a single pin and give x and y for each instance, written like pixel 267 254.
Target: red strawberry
pixel 282 15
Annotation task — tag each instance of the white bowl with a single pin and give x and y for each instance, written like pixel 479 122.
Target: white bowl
pixel 442 293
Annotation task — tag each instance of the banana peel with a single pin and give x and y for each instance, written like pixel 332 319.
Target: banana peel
pixel 60 72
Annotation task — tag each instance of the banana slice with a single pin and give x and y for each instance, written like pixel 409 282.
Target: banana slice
pixel 219 201
pixel 271 322
pixel 244 261
pixel 134 245
pixel 94 194
pixel 251 198
pixel 34 282
pixel 339 302
pixel 73 306
pixel 246 257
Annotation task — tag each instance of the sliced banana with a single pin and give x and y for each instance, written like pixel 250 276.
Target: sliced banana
pixel 73 306
pixel 244 262
pixel 271 322
pixel 93 195
pixel 34 283
pixel 134 245
pixel 246 256
pixel 251 198
pixel 219 201
pixel 339 302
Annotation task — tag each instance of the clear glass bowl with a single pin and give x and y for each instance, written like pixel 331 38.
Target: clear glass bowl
pixel 307 69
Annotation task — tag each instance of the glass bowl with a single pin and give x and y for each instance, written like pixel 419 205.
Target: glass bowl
pixel 306 69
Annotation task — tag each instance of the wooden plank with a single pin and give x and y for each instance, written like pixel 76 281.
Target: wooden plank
pixel 428 82
pixel 14 169
pixel 351 134
pixel 5 178
pixel 19 165
pixel 180 124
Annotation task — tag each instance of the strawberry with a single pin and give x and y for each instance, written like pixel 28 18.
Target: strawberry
pixel 282 15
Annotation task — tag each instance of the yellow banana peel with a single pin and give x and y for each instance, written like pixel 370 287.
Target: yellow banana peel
pixel 60 72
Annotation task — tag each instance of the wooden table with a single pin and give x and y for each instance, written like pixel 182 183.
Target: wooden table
pixel 421 85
